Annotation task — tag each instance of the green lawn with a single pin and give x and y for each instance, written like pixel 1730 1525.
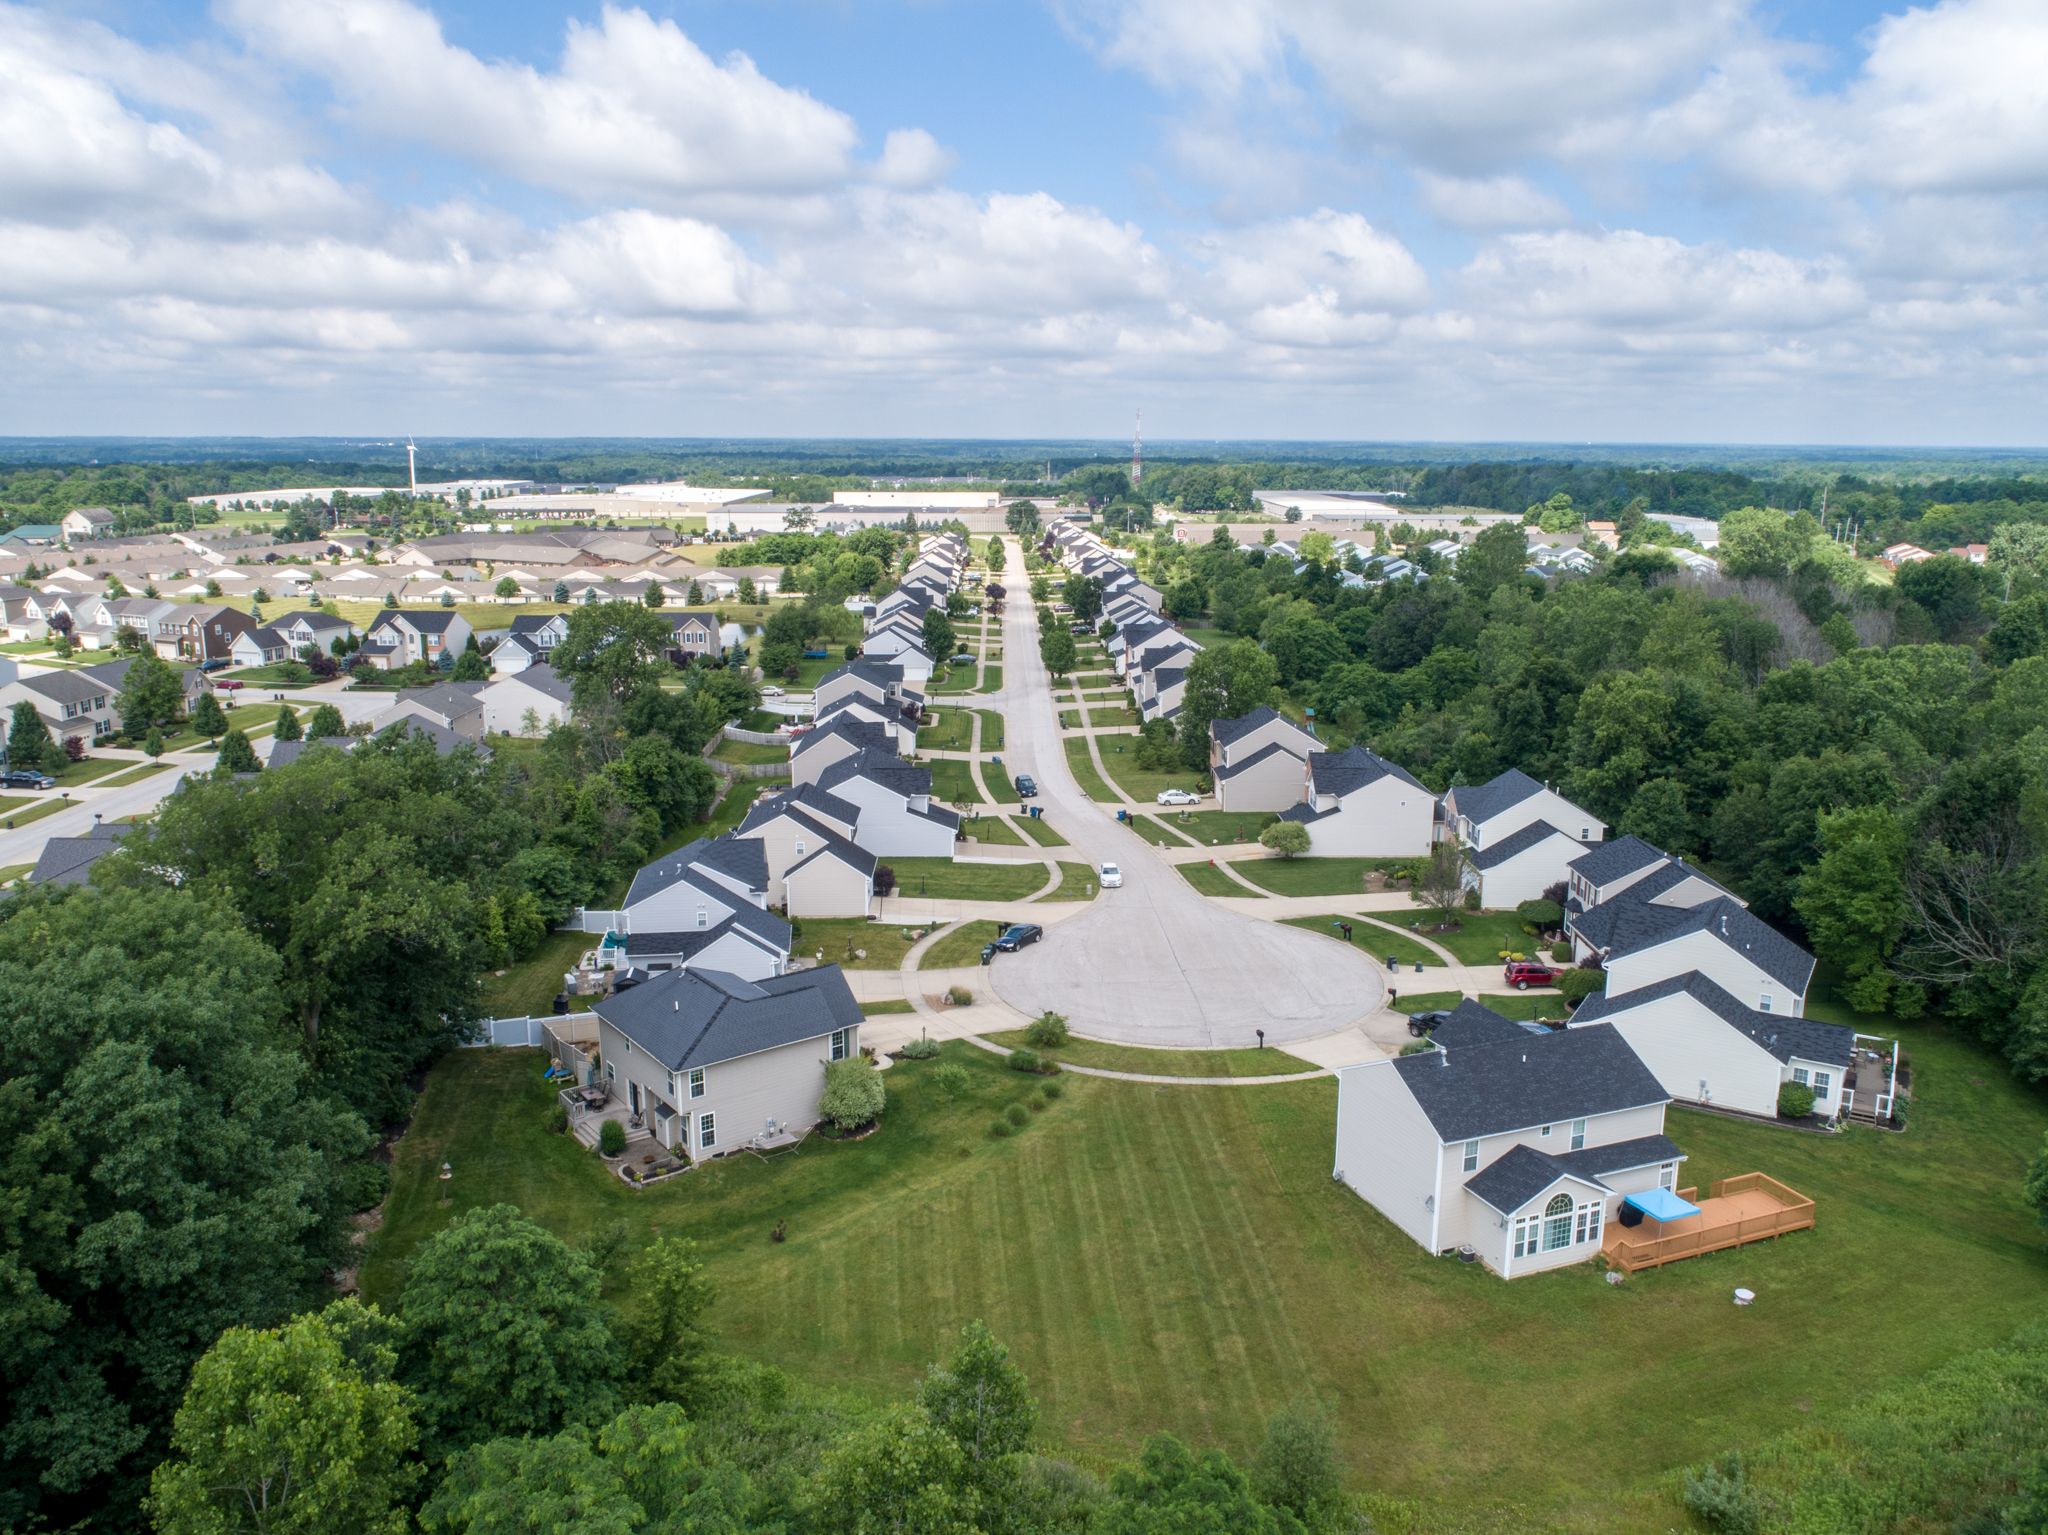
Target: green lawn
pixel 290 674
pixel 1181 1259
pixel 879 1009
pixel 949 881
pixel 958 945
pixel 991 678
pixel 1213 881
pixel 994 830
pixel 953 781
pixel 1039 830
pixel 1083 768
pixel 1075 880
pixel 1310 876
pixel 1100 680
pixel 991 730
pixel 1155 828
pixel 1221 828
pixel 1484 936
pixel 528 989
pixel 748 754
pixel 954 679
pixel 247 717
pixel 1120 759
pixel 841 937
pixel 22 810
pixel 1109 719
pixel 94 768
pixel 1429 1002
pixel 732 810
pixel 135 775
pixel 1524 1006
pixel 1163 1063
pixel 13 872
pixel 1002 788
pixel 952 731
pixel 1371 937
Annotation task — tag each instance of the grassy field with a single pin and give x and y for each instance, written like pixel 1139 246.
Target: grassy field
pixel 1181 1259
pixel 1109 719
pixel 881 1009
pixel 1039 830
pixel 1001 787
pixel 1155 828
pixel 953 731
pixel 996 830
pixel 1120 760
pixel 1309 876
pixel 1220 828
pixel 1163 1063
pixel 949 881
pixel 134 775
pixel 528 989
pixel 1212 881
pixel 1083 768
pixel 991 678
pixel 732 810
pixel 840 937
pixel 1075 880
pixel 20 811
pixel 958 945
pixel 953 781
pixel 749 754
pixel 1484 936
pixel 991 730
pixel 1375 940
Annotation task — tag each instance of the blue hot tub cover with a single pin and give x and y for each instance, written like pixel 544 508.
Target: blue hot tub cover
pixel 1662 1205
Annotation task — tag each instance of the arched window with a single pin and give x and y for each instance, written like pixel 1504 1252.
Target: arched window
pixel 1557 1223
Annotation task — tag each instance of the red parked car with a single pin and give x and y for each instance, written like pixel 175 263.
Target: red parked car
pixel 1524 973
pixel 225 685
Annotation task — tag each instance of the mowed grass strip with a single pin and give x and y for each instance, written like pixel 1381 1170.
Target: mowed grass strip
pixel 1083 768
pixel 1104 1056
pixel 135 775
pixel 1109 718
pixel 949 881
pixel 996 830
pixel 991 678
pixel 844 939
pixel 1001 787
pixel 1120 761
pixel 953 732
pixel 991 730
pixel 958 946
pixel 1076 880
pixel 884 1009
pixel 20 812
pixel 1222 827
pixel 1157 829
pixel 750 753
pixel 1213 881
pixel 1039 830
pixel 1311 876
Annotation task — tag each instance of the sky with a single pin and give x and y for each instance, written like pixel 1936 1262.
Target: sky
pixel 1444 220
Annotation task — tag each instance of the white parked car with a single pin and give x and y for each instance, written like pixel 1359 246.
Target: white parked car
pixel 771 692
pixel 1178 797
pixel 1112 877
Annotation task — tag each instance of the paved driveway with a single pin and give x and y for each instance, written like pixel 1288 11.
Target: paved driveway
pixel 1155 963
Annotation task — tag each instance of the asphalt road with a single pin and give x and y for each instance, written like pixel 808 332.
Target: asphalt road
pixel 1156 963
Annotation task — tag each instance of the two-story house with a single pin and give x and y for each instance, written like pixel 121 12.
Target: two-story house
pixel 1257 760
pixel 72 704
pixel 708 1060
pixel 897 816
pixel 815 868
pixel 397 637
pixel 816 750
pixel 706 904
pixel 532 700
pixel 1519 1144
pixel 1356 804
pixel 202 632
pixel 693 635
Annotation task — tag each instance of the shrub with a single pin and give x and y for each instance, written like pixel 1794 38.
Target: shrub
pixel 1577 985
pixel 959 996
pixel 1541 912
pixel 885 879
pixel 1287 838
pixel 999 1128
pixel 854 1093
pixel 1024 1060
pixel 1723 1499
pixel 950 1079
pixel 1471 900
pixel 1561 951
pixel 364 1184
pixel 611 1137
pixel 1048 1031
pixel 558 1119
pixel 1017 1114
pixel 1795 1100
pixel 1051 1090
pixel 919 1050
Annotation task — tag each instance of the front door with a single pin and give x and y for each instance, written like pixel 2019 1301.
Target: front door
pixel 633 1092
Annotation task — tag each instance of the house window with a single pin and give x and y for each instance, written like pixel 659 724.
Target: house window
pixel 1557 1223
pixel 839 1044
pixel 707 1131
pixel 1526 1227
pixel 1578 1135
pixel 1823 1086
pixel 1765 1005
pixel 1667 1176
pixel 1585 834
pixel 799 848
pixel 1545 1130
pixel 1799 1075
pixel 703 917
pixel 697 1083
pixel 1471 1156
pixel 1589 1222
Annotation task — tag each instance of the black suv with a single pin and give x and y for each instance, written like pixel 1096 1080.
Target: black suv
pixel 1420 1024
pixel 1027 786
pixel 28 778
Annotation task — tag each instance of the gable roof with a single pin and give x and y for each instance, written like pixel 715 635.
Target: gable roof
pixel 1490 1089
pixel 1265 753
pixel 531 623
pixel 1482 802
pixel 807 797
pixel 1519 1174
pixel 1533 835
pixel 882 674
pixel 741 858
pixel 884 768
pixel 1474 1023
pixel 865 735
pixel 1750 936
pixel 687 1018
pixel 539 676
pixel 1784 1037
pixel 1342 772
pixel 69 860
pixel 1609 861
pixel 1223 732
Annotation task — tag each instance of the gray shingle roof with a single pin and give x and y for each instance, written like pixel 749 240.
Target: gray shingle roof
pixel 743 858
pixel 1482 802
pixel 1784 1037
pixel 1223 732
pixel 689 1018
pixel 541 677
pixel 1611 860
pixel 881 767
pixel 1353 768
pixel 1730 922
pixel 1517 1176
pixel 69 860
pixel 1536 1080
pixel 1529 836
pixel 1265 753
pixel 865 735
pixel 806 797
pixel 1474 1023
pixel 285 753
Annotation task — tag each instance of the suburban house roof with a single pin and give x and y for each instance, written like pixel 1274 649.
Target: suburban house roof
pixel 1532 835
pixel 687 1018
pixel 1807 1038
pixel 533 623
pixel 1611 860
pixel 541 677
pixel 884 768
pixel 1632 916
pixel 1474 1023
pixel 740 858
pixel 69 860
pixel 832 845
pixel 66 687
pixel 1223 732
pixel 1542 1079
pixel 810 796
pixel 1484 801
pixel 1342 772
pixel 426 620
pixel 881 673
pixel 866 735
pixel 446 741
pixel 285 753
pixel 1265 753
pixel 1522 1172
pixel 1750 936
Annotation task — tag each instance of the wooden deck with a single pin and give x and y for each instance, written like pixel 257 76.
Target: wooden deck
pixel 1736 1211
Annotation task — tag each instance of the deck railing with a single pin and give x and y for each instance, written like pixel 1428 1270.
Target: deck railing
pixel 1736 1212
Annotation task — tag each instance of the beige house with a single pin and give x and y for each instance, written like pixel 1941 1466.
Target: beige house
pixel 709 1064
pixel 813 865
pixel 1357 804
pixel 1257 760
pixel 818 749
pixel 454 706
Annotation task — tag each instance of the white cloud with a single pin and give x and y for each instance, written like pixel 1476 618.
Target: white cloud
pixel 912 159
pixel 1494 202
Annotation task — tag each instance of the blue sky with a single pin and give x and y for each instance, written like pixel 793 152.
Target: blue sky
pixel 1461 219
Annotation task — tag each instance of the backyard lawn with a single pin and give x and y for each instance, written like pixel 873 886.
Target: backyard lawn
pixel 949 881
pixel 1213 881
pixel 1120 760
pixel 1039 830
pixel 1311 876
pixel 732 810
pixel 839 937
pixel 1181 1259
pixel 959 945
pixel 1083 768
pixel 1002 788
pixel 749 754
pixel 528 989
pixel 952 730
pixel 1162 1063
pixel 1075 882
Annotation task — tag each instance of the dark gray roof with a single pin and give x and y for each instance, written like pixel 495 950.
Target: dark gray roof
pixel 1307 814
pixel 285 753
pixel 426 620
pixel 1534 1080
pixel 1750 936
pixel 687 1018
pixel 881 767
pixel 1269 750
pixel 1474 1023
pixel 865 736
pixel 1223 732
pixel 1484 801
pixel 879 672
pixel 742 858
pixel 1519 1174
pixel 446 741
pixel 1353 768
pixel 1611 860
pixel 1529 836
pixel 1632 916
pixel 453 699
pixel 539 676
pixel 806 797
pixel 69 860
pixel 1169 676
pixel 1784 1037
pixel 531 623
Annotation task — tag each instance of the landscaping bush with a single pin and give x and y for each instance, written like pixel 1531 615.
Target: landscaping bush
pixel 855 1094
pixel 1048 1031
pixel 919 1050
pixel 1795 1100
pixel 611 1138
pixel 1471 900
pixel 1722 1498
pixel 1024 1060
pixel 1561 951
pixel 959 996
pixel 558 1119
pixel 1052 1090
pixel 1287 838
pixel 1017 1114
pixel 1577 985
pixel 999 1128
pixel 364 1184
pixel 1541 912
pixel 950 1079
pixel 885 879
